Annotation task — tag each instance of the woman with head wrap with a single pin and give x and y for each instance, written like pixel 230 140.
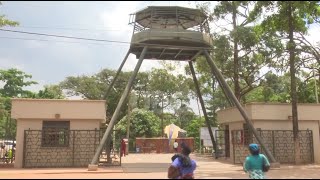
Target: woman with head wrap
pixel 182 166
pixel 256 164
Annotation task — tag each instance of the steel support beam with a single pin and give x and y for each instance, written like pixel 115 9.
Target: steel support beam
pixel 161 53
pixel 117 111
pixel 116 76
pixel 178 54
pixel 232 97
pixel 202 106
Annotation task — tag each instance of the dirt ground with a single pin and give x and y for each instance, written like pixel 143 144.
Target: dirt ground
pixel 154 166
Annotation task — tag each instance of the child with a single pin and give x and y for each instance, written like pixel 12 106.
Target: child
pixel 182 166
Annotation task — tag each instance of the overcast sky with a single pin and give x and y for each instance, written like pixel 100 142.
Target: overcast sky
pixel 50 62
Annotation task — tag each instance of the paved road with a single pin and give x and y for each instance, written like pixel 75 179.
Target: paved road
pixel 154 166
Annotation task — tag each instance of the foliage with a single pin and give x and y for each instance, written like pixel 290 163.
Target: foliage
pixel 193 130
pixel 14 80
pixel 143 123
pixel 50 92
pixel 6 22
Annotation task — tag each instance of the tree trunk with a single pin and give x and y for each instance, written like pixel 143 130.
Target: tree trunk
pixel 294 98
pixel 162 133
pixel 213 106
pixel 128 125
pixel 198 107
pixel 315 87
pixel 235 53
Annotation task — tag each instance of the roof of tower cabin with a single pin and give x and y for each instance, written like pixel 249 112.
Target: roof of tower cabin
pixel 168 16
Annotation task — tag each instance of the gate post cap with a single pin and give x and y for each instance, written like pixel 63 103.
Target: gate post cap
pixel 92 167
pixel 275 165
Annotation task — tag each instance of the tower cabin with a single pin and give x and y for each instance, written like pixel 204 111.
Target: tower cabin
pixel 171 33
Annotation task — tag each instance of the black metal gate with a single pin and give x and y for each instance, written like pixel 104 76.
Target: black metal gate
pixel 279 142
pixel 69 148
pixel 223 145
pixel 220 143
pixel 7 142
pixel 7 151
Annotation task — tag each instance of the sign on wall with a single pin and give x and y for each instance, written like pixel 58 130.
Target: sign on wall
pixel 205 136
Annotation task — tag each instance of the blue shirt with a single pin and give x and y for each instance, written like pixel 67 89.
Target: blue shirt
pixel 184 170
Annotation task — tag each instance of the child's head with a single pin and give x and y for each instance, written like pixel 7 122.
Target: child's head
pixel 185 150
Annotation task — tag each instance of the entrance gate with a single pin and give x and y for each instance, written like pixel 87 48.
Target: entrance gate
pixel 223 144
pixel 280 143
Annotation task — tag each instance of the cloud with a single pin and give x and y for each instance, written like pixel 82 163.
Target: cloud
pixel 35 44
pixel 7 63
pixel 51 62
pixel 147 65
pixel 117 18
pixel 313 32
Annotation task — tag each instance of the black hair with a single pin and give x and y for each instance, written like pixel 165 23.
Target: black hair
pixel 175 156
pixel 185 149
pixel 185 160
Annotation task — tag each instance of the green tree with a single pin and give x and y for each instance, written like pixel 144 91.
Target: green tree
pixel 14 81
pixel 274 88
pixel 7 125
pixel 241 51
pixel 85 86
pixel 291 17
pixel 248 54
pixel 50 92
pixel 193 129
pixel 6 22
pixel 144 123
pixel 184 115
pixel 142 90
pixel 163 86
pixel 95 86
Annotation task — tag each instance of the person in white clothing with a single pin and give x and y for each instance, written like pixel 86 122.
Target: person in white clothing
pixel 2 152
pixel 175 146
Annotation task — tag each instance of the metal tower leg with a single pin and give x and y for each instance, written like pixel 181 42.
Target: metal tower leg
pixel 229 92
pixel 94 162
pixel 203 107
pixel 108 91
pixel 117 74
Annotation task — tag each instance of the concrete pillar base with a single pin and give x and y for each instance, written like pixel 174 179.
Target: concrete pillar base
pixel 275 165
pixel 92 167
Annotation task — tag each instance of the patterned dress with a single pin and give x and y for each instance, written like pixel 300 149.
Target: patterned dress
pixel 253 165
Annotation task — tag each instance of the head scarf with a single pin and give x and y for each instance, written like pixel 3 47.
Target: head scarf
pixel 254 147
